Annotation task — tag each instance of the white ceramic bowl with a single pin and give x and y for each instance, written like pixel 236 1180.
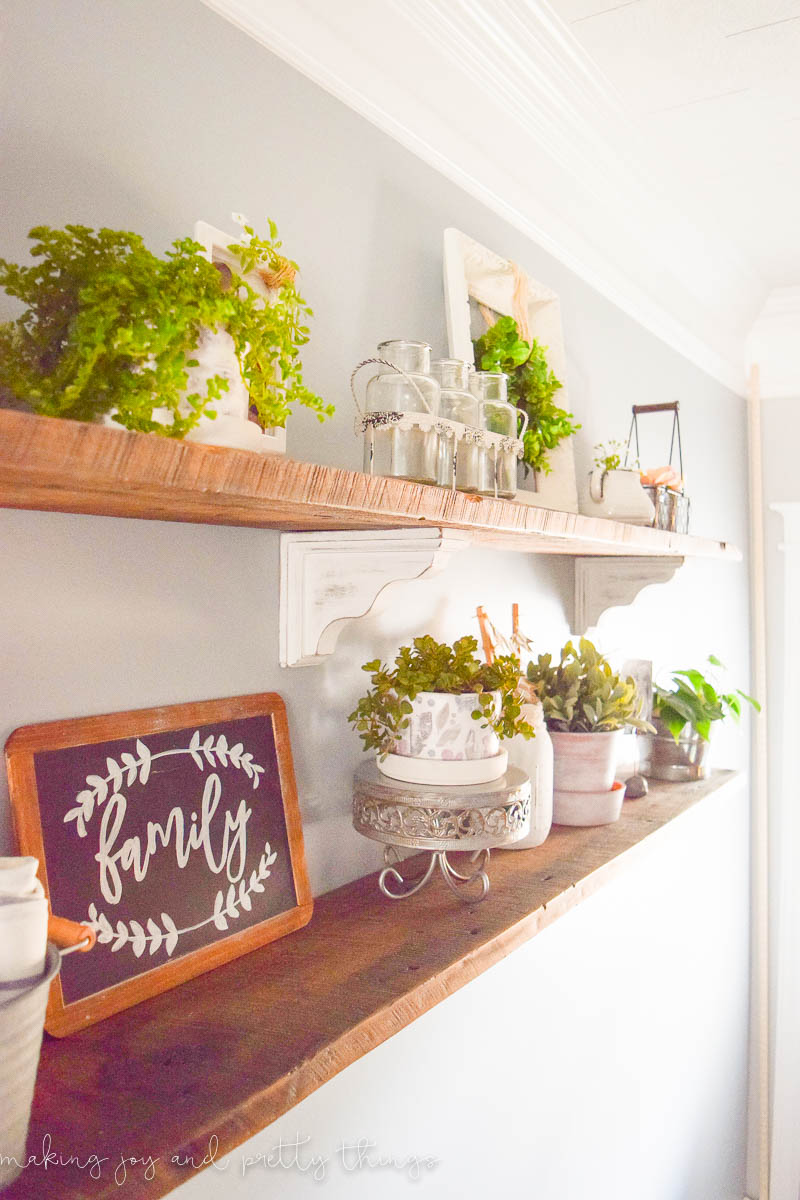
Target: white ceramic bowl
pixel 441 772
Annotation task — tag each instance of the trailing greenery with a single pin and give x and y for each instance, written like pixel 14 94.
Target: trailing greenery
pixel 608 456
pixel 582 694
pixel 696 701
pixel 430 666
pixel 531 387
pixel 109 327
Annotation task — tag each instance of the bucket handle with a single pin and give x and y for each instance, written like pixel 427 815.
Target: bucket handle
pixel 70 936
pixel 67 937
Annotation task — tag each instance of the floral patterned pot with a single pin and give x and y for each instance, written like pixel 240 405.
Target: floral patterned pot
pixel 441 727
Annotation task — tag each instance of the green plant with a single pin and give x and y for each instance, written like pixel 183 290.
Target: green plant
pixel 582 694
pixel 109 327
pixel 431 666
pixel 609 456
pixel 531 387
pixel 696 701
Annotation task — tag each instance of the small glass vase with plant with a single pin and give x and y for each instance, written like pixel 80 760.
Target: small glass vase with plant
pixel 685 715
pixel 109 328
pixel 586 706
pixel 531 387
pixel 441 703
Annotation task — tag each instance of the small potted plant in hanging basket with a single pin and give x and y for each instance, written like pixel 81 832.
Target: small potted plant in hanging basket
pixel 615 489
pixel 111 332
pixel 586 707
pixel 438 716
pixel 684 717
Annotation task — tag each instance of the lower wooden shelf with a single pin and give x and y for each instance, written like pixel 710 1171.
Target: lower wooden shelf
pixel 226 1054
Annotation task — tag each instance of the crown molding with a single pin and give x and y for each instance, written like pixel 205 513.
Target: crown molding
pixel 498 98
pixel 773 342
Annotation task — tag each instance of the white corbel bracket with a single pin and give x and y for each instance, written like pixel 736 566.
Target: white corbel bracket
pixel 330 578
pixel 602 583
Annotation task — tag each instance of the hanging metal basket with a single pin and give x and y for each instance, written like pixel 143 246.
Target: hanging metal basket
pixel 671 505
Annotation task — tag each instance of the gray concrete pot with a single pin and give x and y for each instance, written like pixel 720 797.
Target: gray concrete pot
pixel 677 762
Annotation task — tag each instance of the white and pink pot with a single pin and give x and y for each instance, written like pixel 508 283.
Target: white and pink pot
pixel 443 744
pixel 585 792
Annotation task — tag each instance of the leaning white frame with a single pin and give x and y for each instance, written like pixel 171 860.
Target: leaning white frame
pixel 473 271
pixel 215 245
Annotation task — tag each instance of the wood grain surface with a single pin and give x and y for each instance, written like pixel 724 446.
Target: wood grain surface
pixel 227 1053
pixel 67 466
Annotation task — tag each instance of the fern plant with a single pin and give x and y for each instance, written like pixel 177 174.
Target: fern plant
pixel 582 694
pixel 108 327
pixel 430 666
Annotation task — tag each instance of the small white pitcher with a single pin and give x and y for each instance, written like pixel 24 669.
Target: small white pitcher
pixel 620 495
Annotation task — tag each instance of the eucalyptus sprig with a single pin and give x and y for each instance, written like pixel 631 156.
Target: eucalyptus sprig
pixel 697 701
pixel 582 694
pixel 531 387
pixel 609 456
pixel 430 666
pixel 109 327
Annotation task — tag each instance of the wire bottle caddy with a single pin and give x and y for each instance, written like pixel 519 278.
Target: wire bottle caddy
pixel 664 485
pixel 410 426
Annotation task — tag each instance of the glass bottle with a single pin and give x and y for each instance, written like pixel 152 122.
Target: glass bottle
pixel 458 457
pixel 410 453
pixel 498 467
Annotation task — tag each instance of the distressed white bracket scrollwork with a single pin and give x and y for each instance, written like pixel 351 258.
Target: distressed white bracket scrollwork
pixel 602 583
pixel 330 578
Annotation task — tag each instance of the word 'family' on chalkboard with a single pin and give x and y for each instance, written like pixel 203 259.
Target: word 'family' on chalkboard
pixel 173 832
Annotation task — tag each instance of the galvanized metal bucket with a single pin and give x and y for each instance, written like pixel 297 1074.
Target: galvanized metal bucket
pixel 21 1029
pixel 677 762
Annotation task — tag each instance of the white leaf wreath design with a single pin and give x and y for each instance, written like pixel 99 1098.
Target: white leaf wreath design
pixel 203 753
pixel 228 905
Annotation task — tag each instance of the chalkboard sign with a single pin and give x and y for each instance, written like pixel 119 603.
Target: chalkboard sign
pixel 173 832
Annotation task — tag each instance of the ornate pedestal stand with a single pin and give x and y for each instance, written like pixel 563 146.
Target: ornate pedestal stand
pixel 440 819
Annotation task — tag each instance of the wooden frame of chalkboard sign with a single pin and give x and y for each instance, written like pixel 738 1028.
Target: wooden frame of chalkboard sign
pixel 174 832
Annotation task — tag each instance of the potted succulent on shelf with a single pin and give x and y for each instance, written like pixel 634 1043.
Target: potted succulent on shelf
pixel 684 717
pixel 615 488
pixel 586 708
pixel 531 388
pixel 438 716
pixel 159 345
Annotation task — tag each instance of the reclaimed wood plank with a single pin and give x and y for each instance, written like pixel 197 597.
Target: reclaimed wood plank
pixel 229 1052
pixel 68 466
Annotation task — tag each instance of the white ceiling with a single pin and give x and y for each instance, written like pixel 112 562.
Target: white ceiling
pixel 716 86
pixel 648 144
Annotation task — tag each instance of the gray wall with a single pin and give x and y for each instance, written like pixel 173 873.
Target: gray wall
pixel 149 116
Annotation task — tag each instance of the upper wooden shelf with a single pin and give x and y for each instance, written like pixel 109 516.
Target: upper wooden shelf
pixel 68 466
pixel 229 1052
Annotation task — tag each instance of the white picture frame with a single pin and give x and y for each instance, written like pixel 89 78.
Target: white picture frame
pixel 215 245
pixel 473 272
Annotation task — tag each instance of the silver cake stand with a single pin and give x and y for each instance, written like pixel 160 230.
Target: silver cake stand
pixel 408 816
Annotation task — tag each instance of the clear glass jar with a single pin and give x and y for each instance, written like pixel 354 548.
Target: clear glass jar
pixel 459 459
pixel 498 467
pixel 403 453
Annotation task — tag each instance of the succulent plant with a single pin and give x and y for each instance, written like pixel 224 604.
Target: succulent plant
pixel 582 694
pixel 430 666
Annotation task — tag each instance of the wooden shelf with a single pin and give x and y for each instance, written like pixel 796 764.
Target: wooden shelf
pixel 231 1051
pixel 67 466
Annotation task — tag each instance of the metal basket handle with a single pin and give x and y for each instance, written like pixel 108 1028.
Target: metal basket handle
pixel 641 409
